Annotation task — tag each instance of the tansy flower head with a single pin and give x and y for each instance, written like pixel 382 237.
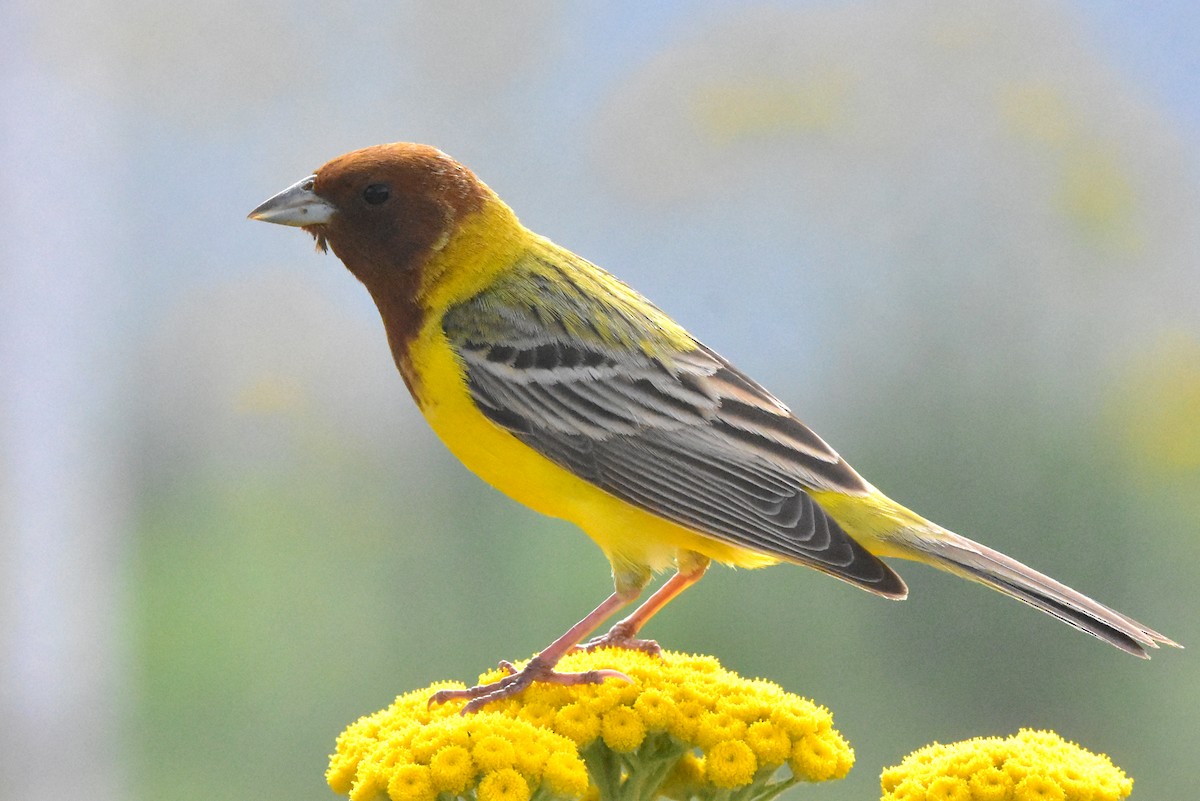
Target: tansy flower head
pixel 1028 766
pixel 409 753
pixel 683 726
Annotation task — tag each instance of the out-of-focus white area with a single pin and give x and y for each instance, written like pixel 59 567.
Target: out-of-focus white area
pixel 962 240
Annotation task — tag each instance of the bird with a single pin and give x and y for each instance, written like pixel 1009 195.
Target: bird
pixel 567 390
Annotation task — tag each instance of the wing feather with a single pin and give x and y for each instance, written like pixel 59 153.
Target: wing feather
pixel 680 433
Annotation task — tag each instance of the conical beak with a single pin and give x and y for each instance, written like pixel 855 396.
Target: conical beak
pixel 297 205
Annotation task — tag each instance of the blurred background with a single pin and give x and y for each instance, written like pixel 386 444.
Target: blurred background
pixel 960 239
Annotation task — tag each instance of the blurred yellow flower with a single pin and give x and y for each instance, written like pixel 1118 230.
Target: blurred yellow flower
pixel 1154 408
pixel 768 105
pixel 686 779
pixel 1038 111
pixel 1028 766
pixel 683 727
pixel 1097 195
pixel 1094 182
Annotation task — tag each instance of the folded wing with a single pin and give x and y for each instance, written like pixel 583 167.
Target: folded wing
pixel 679 433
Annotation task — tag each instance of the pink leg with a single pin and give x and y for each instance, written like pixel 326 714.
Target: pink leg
pixel 623 634
pixel 541 667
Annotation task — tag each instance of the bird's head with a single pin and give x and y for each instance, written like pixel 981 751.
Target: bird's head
pixel 416 227
pixel 384 210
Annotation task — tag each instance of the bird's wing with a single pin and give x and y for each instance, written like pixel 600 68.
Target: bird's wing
pixel 679 433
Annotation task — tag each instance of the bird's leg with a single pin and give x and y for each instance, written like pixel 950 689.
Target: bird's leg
pixel 541 667
pixel 623 633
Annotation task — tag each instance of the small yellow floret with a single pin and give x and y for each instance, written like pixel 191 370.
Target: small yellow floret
pixel 411 783
pixel 1038 788
pixel 687 718
pixel 539 714
pixel 578 722
pixel 531 760
pixel 948 788
pixel 730 764
pixel 989 784
pixel 908 790
pixel 565 776
pixel 817 759
pixel 719 727
pixel 1028 766
pixel 504 785
pixel 770 743
pixel 622 729
pixel 657 709
pixel 452 769
pixel 494 752
pixel 745 706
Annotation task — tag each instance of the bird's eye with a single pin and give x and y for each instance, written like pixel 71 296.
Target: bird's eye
pixel 376 194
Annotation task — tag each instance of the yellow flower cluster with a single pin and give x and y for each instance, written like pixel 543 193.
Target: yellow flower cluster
pixel 1028 766
pixel 414 752
pixel 683 726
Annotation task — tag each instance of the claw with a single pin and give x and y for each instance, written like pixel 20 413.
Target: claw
pixel 481 695
pixel 620 636
pixel 629 644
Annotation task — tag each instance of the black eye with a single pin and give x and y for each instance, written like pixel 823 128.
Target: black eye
pixel 376 194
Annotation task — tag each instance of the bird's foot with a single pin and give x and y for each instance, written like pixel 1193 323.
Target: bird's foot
pixel 517 680
pixel 620 636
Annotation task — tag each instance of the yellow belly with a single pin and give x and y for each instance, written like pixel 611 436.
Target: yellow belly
pixel 633 540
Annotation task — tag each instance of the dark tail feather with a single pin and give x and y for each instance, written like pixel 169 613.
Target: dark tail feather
pixel 979 563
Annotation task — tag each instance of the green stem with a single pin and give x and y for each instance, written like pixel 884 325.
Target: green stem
pixel 652 763
pixel 605 770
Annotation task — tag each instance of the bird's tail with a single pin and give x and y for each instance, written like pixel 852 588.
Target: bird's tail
pixel 955 554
